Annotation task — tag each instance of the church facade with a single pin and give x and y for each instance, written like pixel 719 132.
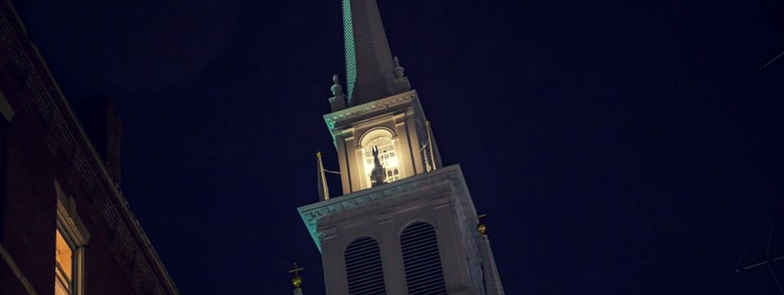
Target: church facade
pixel 65 226
pixel 405 224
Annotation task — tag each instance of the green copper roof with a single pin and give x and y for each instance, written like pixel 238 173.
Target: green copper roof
pixel 369 64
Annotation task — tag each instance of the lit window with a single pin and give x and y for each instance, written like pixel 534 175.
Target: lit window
pixel 70 238
pixel 63 284
pixel 386 155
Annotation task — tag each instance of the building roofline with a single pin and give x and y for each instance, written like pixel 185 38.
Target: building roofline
pixel 117 194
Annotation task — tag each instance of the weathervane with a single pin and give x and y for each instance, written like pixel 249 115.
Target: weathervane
pixel 768 260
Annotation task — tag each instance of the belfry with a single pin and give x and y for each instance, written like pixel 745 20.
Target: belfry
pixel 405 224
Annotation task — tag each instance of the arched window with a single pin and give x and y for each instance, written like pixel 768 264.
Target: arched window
pixel 421 260
pixel 386 154
pixel 364 271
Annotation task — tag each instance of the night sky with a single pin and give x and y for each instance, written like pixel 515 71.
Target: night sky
pixel 617 147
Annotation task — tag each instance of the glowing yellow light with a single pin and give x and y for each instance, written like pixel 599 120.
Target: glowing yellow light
pixel 63 255
pixel 64 266
pixel 392 162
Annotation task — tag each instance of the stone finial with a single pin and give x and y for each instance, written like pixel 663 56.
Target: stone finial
pixel 336 88
pixel 338 100
pixel 399 70
pixel 481 227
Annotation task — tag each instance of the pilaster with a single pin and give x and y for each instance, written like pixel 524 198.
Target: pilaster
pixel 403 147
pixel 335 275
pixel 416 156
pixel 393 258
pixel 454 272
pixel 355 161
pixel 345 170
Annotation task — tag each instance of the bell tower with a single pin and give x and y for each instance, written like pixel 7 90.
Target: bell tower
pixel 379 111
pixel 405 225
pixel 381 141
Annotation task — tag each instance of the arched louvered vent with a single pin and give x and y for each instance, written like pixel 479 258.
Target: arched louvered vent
pixel 363 268
pixel 422 262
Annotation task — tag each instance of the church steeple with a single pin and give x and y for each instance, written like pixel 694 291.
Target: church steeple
pixel 370 68
pixel 404 224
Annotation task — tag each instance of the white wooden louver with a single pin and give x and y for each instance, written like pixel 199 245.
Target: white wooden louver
pixel 364 271
pixel 422 262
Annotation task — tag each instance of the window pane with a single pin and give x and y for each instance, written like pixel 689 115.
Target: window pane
pixel 64 264
pixel 386 155
pixel 60 287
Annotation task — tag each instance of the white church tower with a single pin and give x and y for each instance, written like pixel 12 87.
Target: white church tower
pixel 405 225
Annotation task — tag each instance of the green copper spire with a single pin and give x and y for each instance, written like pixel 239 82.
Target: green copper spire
pixel 369 64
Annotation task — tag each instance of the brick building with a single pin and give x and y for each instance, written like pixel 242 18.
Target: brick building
pixel 65 226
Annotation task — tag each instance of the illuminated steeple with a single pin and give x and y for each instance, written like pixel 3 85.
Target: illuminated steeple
pixel 380 117
pixel 370 68
pixel 405 224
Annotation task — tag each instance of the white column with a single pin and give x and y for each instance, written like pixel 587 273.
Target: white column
pixel 334 267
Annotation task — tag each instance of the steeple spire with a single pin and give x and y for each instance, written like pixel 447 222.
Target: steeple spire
pixel 369 64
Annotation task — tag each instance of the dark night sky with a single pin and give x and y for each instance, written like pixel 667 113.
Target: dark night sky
pixel 618 147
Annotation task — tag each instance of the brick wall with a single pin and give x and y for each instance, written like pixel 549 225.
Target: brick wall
pixel 46 142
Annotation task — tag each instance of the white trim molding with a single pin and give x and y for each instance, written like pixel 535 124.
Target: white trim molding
pixel 381 105
pixel 71 226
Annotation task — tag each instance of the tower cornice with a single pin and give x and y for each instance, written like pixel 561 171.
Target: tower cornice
pixel 434 182
pixel 352 114
pixel 442 187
